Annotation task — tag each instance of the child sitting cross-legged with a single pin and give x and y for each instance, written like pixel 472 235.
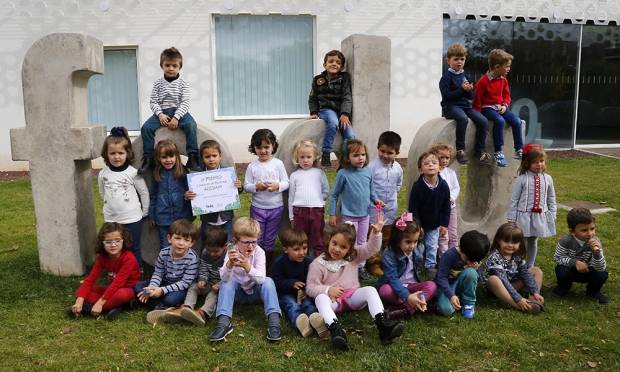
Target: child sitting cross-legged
pixel 244 281
pixel 289 272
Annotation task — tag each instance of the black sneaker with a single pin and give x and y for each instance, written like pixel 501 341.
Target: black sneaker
pixel 147 164
pixel 193 162
pixel 339 338
pixel 113 313
pixel 388 329
pixel 223 328
pixel 601 298
pixel 326 159
pixel 461 157
pixel 274 331
pixel 560 292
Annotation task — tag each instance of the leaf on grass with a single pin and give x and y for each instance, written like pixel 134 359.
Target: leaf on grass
pixel 241 335
pixel 212 349
pixel 66 330
pixel 541 354
pixel 592 364
pixel 288 354
pixel 216 369
pixel 603 341
pixel 412 345
pixel 444 345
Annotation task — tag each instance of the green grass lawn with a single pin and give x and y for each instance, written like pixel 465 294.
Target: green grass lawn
pixel 35 333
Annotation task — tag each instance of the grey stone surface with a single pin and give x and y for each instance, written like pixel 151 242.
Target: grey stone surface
pixel 369 62
pixel 489 187
pixel 150 235
pixel 59 143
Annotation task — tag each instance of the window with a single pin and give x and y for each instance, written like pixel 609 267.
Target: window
pixel 264 65
pixel 113 96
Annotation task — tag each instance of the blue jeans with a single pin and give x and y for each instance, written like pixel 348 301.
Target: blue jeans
pixel 428 251
pixel 163 236
pixel 289 305
pixel 464 287
pixel 500 121
pixel 204 226
pixel 135 230
pixel 462 116
pixel 332 124
pixel 170 299
pixel 231 293
pixel 186 123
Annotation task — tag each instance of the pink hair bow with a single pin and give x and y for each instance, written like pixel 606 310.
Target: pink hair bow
pixel 401 223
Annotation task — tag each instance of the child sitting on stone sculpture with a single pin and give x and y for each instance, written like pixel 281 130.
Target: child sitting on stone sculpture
pixel 170 105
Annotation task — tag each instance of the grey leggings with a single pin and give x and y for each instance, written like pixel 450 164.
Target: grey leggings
pixel 531 245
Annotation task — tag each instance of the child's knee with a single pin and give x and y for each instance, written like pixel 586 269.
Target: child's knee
pixel 470 275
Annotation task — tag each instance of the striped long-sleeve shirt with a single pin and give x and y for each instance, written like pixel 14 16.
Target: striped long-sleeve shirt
pixel 176 275
pixel 173 94
pixel 570 249
pixel 210 267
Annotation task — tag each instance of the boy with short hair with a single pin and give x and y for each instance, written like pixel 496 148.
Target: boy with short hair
pixel 579 257
pixel 208 283
pixel 387 179
pixel 170 105
pixel 457 277
pixel 331 100
pixel 244 280
pixel 492 99
pixel 429 202
pixel 457 94
pixel 175 270
pixel 289 273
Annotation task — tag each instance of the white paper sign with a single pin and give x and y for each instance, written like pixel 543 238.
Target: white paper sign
pixel 215 191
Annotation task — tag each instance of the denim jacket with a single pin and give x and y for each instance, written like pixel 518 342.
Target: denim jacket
pixel 168 202
pixel 394 265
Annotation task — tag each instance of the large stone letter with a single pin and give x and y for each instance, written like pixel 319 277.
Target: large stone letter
pixel 59 143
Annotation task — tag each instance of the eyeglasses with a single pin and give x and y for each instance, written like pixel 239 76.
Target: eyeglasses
pixel 113 242
pixel 248 242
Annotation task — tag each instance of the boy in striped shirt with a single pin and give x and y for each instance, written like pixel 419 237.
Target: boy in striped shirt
pixel 170 105
pixel 579 257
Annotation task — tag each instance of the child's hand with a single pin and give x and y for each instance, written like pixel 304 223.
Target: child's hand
pixel 524 305
pixel 237 184
pixel 244 262
pixel 313 117
pixel 173 123
pixel 474 265
pixel 537 297
pixel 344 121
pixel 273 186
pixel 467 86
pixel 443 231
pixel 335 292
pixel 581 266
pixel 142 295
pixel 456 304
pixel 261 186
pixel 97 308
pixel 77 306
pixel 594 245
pixel 502 109
pixel 163 119
pixel 299 285
pixel 156 292
pixel 189 195
pixel 377 227
pixel 201 284
pixel 415 301
pixel 333 220
pixel 301 294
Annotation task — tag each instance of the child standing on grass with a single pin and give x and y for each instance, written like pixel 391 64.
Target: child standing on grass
pixel 334 284
pixel 445 155
pixel 175 270
pixel 168 202
pixel 124 192
pixel 170 105
pixel 307 192
pixel 505 271
pixel 289 274
pixel 457 93
pixel 579 257
pixel 211 156
pixel 266 179
pixel 116 265
pixel 492 99
pixel 331 100
pixel 400 284
pixel 429 202
pixel 244 281
pixel 532 205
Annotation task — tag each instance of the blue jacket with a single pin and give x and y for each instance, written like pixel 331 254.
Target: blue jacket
pixel 168 202
pixel 285 273
pixel 394 265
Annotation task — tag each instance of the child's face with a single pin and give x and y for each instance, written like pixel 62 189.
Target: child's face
pixel 333 65
pixel 538 165
pixel 502 70
pixel 180 244
pixel 211 158
pixel 387 154
pixel 171 67
pixel 430 166
pixel 305 157
pixel 584 231
pixel 338 246
pixel 456 63
pixel 507 249
pixel 215 252
pixel 246 244
pixel 117 155
pixel 264 151
pixel 296 253
pixel 358 157
pixel 113 243
pixel 167 161
pixel 409 242
pixel 444 158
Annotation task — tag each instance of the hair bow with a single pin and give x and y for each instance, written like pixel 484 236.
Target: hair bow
pixel 531 146
pixel 401 223
pixel 117 132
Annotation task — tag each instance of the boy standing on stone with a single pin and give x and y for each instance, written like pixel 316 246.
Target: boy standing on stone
pixel 330 100
pixel 170 105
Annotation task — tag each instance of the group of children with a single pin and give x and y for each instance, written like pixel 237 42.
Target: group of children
pixel 364 227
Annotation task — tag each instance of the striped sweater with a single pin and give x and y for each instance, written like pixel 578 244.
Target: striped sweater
pixel 176 275
pixel 174 94
pixel 210 267
pixel 570 249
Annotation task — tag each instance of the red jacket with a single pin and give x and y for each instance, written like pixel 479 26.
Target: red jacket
pixel 491 92
pixel 123 272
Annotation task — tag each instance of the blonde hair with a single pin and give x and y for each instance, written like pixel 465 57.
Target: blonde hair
pixel 246 226
pixel 456 50
pixel 499 57
pixel 306 144
pixel 441 147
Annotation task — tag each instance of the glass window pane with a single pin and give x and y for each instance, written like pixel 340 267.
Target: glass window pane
pixel 263 64
pixel 598 119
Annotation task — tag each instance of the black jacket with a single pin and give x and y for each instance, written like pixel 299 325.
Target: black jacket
pixel 333 94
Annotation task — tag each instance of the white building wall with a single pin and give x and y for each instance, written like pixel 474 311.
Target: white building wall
pixel 414 27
